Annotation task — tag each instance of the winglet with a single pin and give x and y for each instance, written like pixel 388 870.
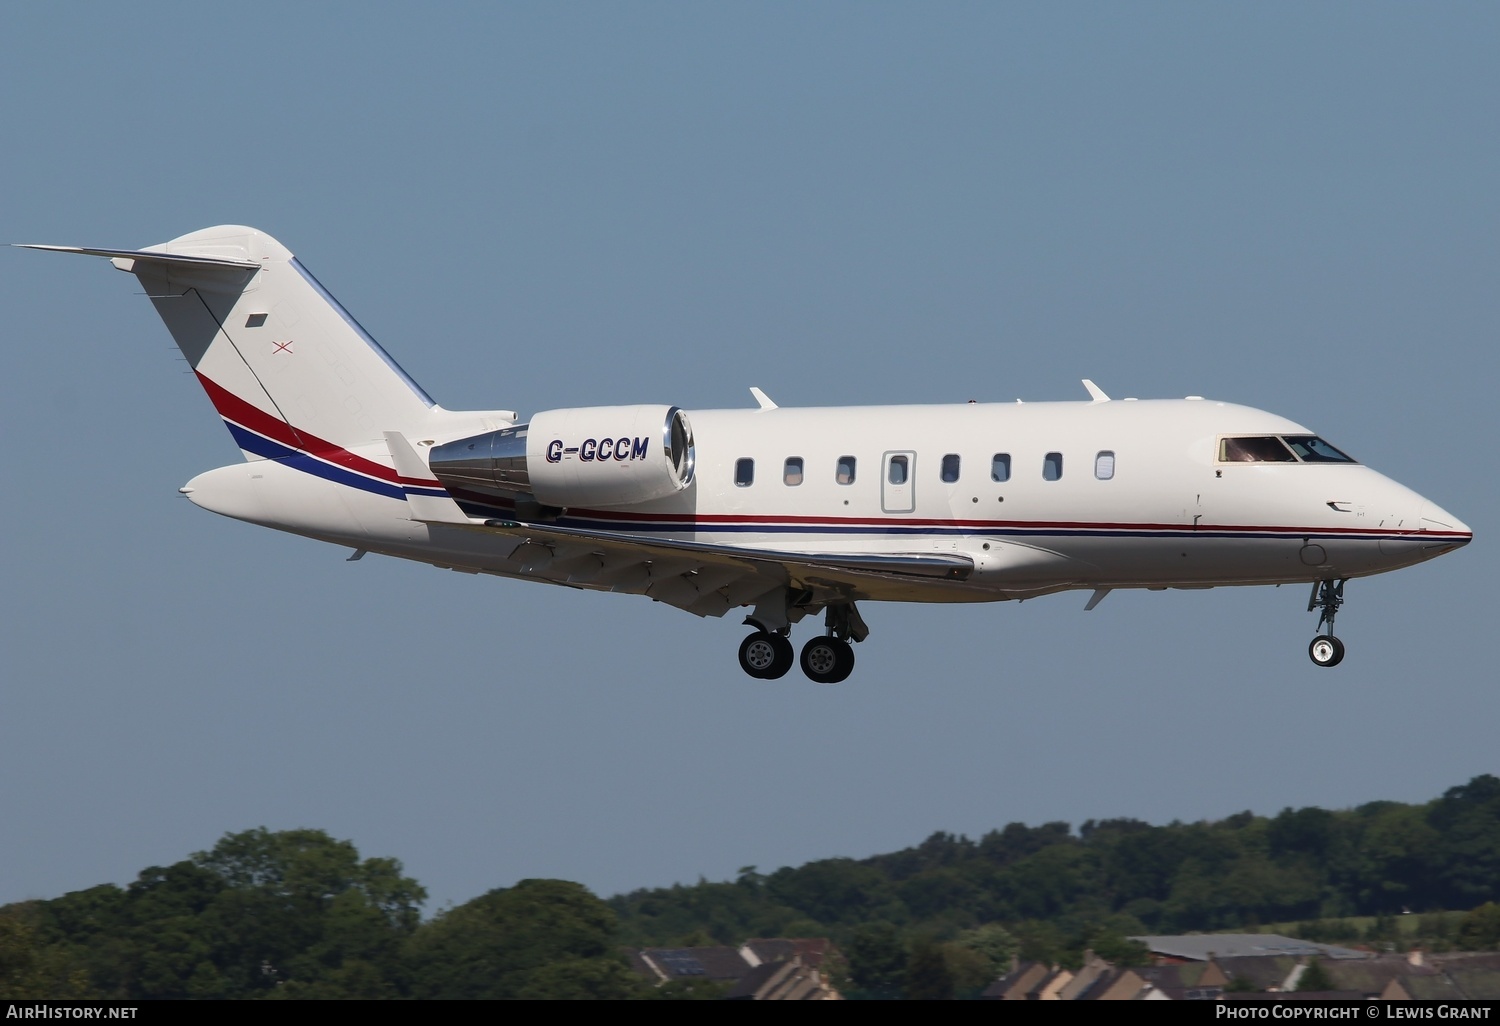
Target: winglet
pixel 425 503
pixel 1095 392
pixel 762 398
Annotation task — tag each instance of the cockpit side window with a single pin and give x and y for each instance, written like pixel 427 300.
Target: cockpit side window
pixel 1312 449
pixel 1258 449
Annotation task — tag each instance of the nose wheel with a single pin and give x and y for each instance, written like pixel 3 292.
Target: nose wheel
pixel 1327 597
pixel 1326 650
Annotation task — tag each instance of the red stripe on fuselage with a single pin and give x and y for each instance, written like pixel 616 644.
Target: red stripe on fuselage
pixel 232 407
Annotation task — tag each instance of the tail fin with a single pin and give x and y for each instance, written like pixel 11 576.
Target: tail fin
pixel 285 365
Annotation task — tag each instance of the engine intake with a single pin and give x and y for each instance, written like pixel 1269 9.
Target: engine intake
pixel 591 456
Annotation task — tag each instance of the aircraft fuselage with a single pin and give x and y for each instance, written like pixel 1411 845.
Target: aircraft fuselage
pixel 783 512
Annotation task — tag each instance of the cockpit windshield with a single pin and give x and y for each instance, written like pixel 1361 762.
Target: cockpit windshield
pixel 1279 449
pixel 1261 449
pixel 1312 449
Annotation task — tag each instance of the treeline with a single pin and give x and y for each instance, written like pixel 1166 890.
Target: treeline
pixel 298 914
pixel 1055 890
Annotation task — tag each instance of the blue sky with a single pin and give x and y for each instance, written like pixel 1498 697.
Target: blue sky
pixel 1291 206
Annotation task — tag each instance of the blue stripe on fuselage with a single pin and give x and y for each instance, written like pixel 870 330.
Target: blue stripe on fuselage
pixel 249 441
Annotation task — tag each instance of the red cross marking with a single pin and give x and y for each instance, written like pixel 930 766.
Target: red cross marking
pixel 282 347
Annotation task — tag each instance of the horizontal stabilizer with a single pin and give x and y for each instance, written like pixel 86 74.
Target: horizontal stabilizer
pixel 148 256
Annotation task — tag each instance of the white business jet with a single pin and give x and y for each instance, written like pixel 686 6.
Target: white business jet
pixel 784 512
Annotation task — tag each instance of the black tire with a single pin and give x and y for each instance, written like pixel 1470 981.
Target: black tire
pixel 827 660
pixel 765 656
pixel 1326 650
pixel 786 655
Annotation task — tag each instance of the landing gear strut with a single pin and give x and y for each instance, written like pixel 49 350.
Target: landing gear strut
pixel 768 654
pixel 1327 597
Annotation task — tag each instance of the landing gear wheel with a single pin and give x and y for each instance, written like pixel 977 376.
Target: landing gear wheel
pixel 827 660
pixel 1326 650
pixel 766 656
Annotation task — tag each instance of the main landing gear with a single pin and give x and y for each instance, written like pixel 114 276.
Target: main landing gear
pixel 827 660
pixel 767 654
pixel 1327 597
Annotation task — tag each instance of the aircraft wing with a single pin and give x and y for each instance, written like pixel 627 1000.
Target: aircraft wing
pixel 709 579
pixel 702 578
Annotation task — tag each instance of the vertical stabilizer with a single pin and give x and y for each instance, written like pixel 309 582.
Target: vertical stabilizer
pixel 284 363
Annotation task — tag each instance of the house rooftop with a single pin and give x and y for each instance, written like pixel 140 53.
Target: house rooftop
pixel 1199 947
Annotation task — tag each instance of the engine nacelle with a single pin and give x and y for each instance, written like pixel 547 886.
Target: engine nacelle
pixel 591 456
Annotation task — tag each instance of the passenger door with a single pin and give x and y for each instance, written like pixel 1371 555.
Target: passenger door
pixel 897 488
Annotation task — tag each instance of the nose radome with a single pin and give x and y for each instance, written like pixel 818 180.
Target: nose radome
pixel 1437 520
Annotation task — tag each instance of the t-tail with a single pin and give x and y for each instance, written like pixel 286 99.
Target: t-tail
pixel 293 375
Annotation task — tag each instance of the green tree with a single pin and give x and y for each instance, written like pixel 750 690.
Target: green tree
pixel 1041 941
pixel 927 975
pixel 1467 818
pixel 30 968
pixel 1120 950
pixel 877 961
pixel 259 913
pixel 971 971
pixel 994 943
pixel 538 939
pixel 1480 929
pixel 297 906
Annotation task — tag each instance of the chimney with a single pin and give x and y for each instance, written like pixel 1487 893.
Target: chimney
pixel 1414 956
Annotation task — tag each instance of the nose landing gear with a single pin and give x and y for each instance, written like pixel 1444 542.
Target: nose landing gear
pixel 1327 597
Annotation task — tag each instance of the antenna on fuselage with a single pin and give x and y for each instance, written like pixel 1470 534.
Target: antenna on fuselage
pixel 1095 392
pixel 762 398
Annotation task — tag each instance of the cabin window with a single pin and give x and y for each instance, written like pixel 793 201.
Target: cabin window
pixel 744 472
pixel 1260 449
pixel 898 471
pixel 1052 467
pixel 1312 449
pixel 1104 465
pixel 791 474
pixel 845 473
pixel 950 467
pixel 1000 467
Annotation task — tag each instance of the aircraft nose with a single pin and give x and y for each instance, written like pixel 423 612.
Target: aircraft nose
pixel 1435 520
